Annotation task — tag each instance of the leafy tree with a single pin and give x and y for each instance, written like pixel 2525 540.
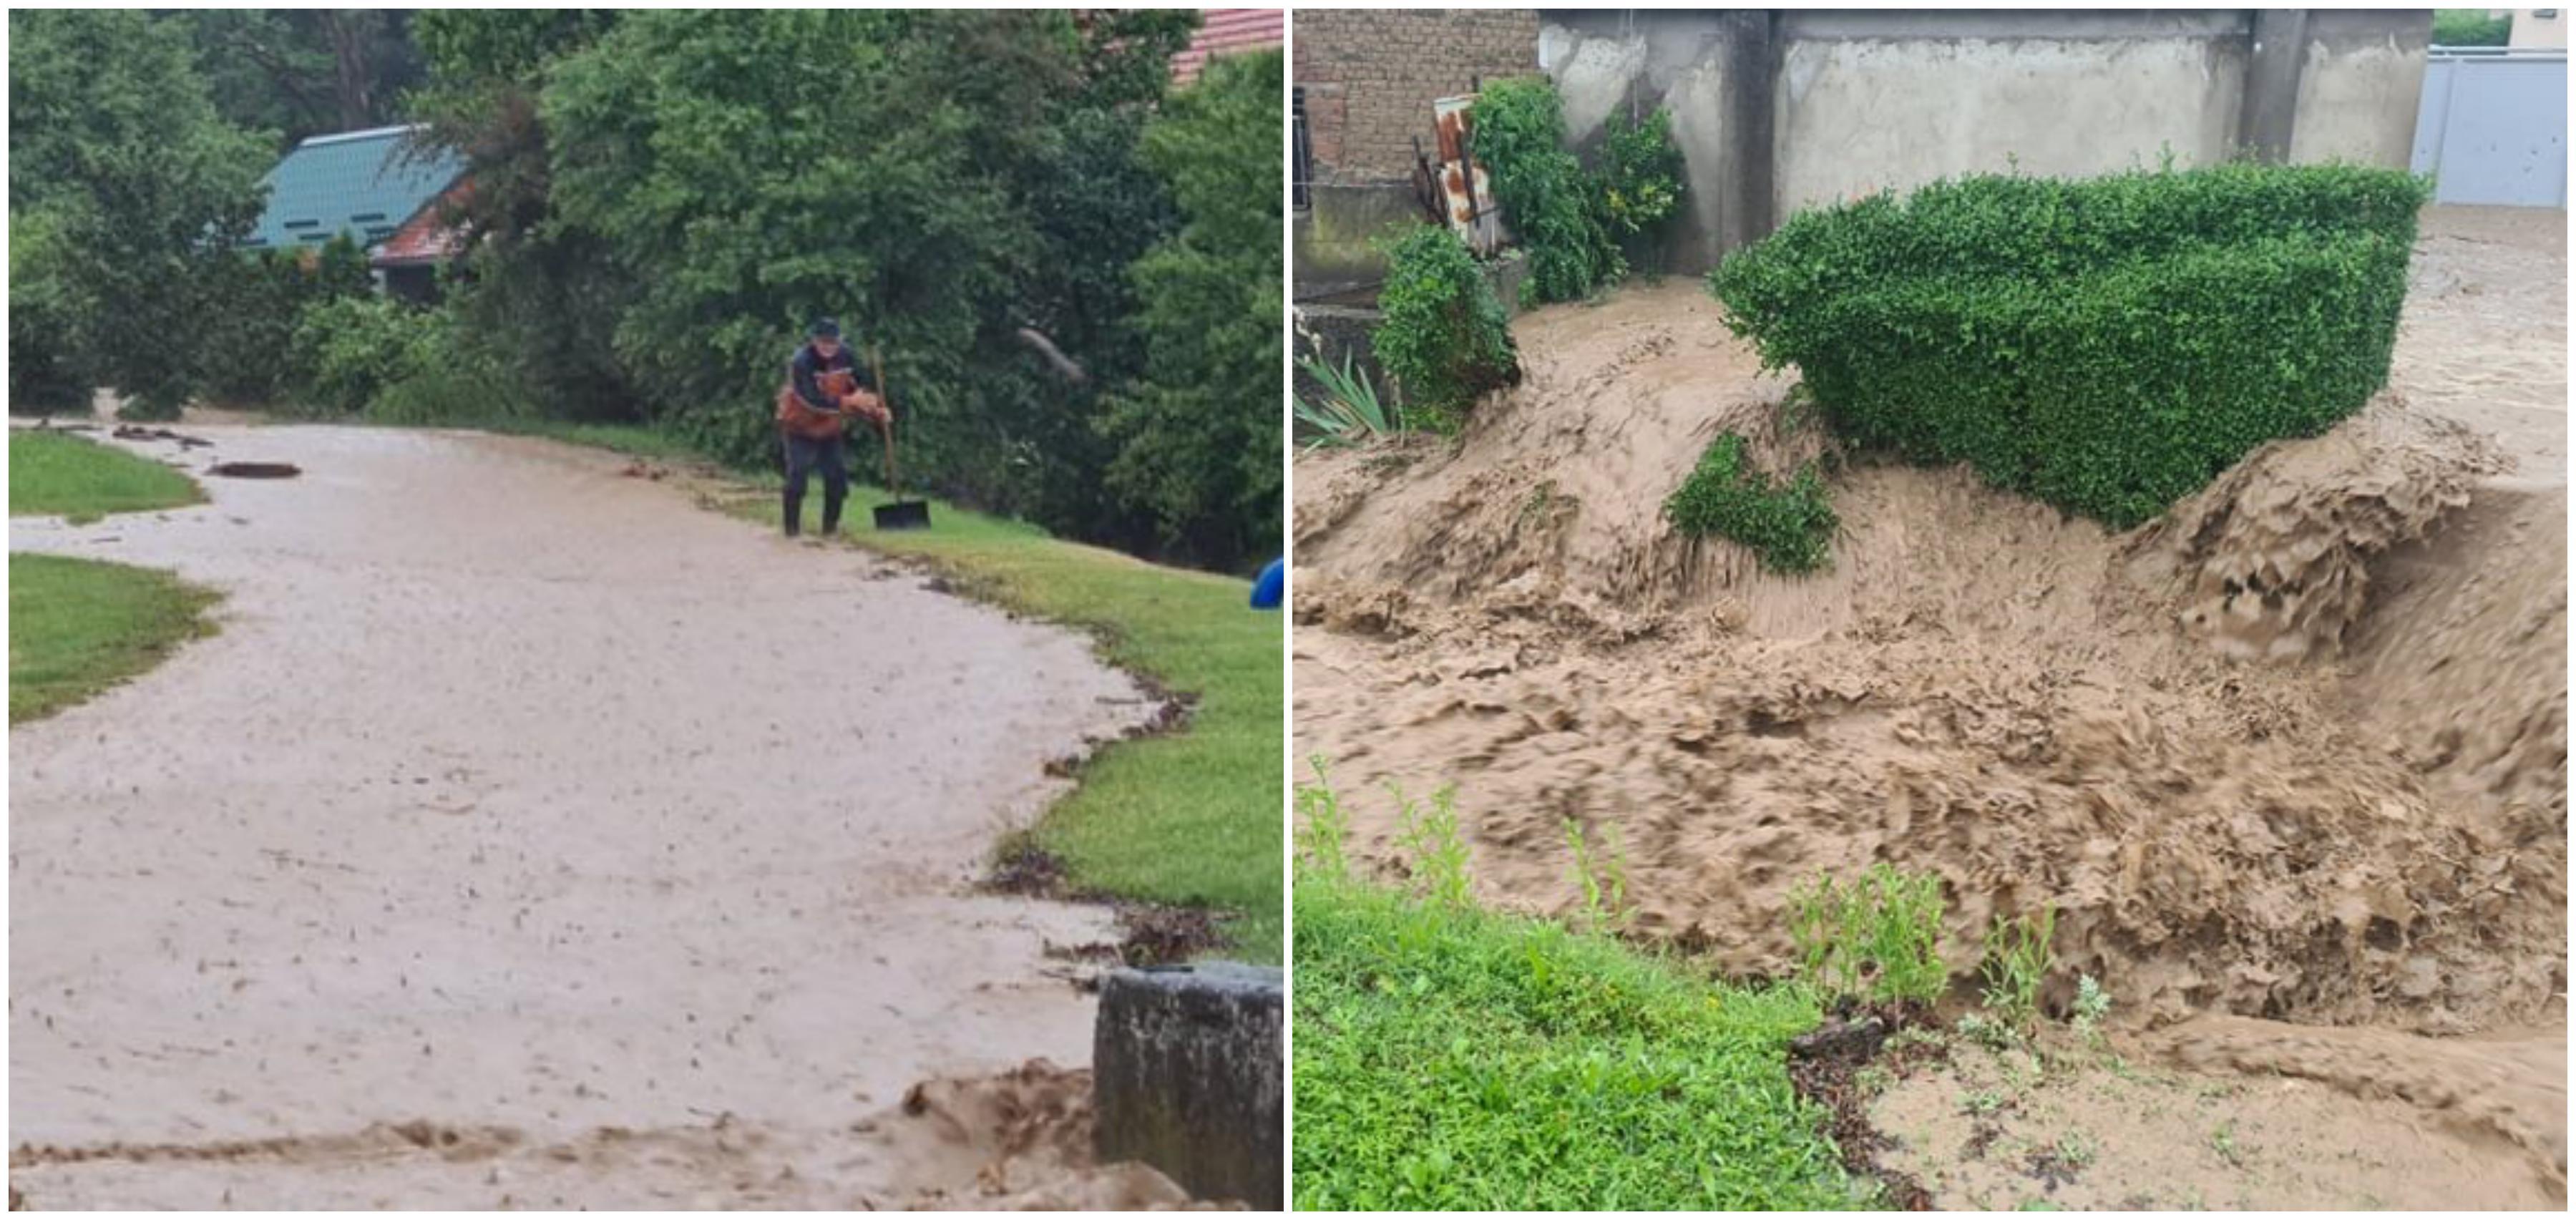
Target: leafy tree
pixel 304 72
pixel 540 299
pixel 112 133
pixel 42 319
pixel 1199 435
pixel 754 170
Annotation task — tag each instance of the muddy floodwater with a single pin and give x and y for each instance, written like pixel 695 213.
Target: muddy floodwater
pixel 530 835
pixel 2290 762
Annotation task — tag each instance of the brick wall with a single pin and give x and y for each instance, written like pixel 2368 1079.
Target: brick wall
pixel 1370 76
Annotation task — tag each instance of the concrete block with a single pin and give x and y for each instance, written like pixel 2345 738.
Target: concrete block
pixel 1187 1077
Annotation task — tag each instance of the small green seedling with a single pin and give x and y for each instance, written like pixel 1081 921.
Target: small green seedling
pixel 1437 853
pixel 1877 936
pixel 1603 874
pixel 2092 1004
pixel 1322 827
pixel 2017 960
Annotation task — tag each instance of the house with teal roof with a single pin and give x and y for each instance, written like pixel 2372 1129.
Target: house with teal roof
pixel 372 185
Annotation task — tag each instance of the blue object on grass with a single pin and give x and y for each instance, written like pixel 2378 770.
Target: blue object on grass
pixel 1267 590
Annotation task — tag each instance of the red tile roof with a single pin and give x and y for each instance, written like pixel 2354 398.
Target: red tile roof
pixel 425 238
pixel 1224 31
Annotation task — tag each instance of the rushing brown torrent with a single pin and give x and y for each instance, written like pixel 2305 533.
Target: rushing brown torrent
pixel 2029 706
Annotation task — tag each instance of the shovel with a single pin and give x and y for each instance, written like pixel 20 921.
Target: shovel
pixel 903 514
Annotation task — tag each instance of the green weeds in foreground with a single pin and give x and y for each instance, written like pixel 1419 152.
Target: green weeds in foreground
pixel 1877 936
pixel 2017 959
pixel 1453 1058
pixel 1449 1057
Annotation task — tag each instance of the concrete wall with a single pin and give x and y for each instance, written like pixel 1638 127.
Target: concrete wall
pixel 1870 104
pixel 2530 29
pixel 1775 110
pixel 1627 63
pixel 2360 88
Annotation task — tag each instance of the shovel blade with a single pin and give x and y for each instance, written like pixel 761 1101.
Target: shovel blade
pixel 904 515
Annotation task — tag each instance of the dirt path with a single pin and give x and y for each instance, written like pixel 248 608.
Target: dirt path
pixel 2344 805
pixel 521 806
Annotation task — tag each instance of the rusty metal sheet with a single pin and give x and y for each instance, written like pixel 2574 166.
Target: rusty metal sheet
pixel 1467 196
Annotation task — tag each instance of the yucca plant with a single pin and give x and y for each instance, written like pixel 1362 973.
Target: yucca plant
pixel 1350 410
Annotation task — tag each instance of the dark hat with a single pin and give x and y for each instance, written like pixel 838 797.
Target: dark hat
pixel 823 328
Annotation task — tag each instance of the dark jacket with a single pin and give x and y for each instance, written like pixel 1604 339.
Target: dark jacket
pixel 808 365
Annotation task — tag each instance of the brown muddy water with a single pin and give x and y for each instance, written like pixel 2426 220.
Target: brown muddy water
pixel 2329 820
pixel 532 836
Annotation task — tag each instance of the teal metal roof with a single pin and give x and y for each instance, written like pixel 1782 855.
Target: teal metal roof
pixel 363 183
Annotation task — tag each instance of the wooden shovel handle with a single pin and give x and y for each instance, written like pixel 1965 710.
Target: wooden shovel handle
pixel 876 369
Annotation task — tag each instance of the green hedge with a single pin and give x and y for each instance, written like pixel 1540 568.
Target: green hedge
pixel 2106 345
pixel 1445 337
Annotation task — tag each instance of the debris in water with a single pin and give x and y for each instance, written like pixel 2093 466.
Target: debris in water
pixel 1028 870
pixel 254 470
pixel 129 432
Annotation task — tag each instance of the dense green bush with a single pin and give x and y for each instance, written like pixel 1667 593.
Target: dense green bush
pixel 2470 27
pixel 348 351
pixel 44 376
pixel 260 299
pixel 1788 527
pixel 2106 345
pixel 1445 338
pixel 1552 205
pixel 1640 183
pixel 395 363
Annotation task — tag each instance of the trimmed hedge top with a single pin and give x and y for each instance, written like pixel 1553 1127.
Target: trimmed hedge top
pixel 2108 345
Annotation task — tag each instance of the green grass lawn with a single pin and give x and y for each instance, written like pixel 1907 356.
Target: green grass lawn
pixel 1188 818
pixel 78 626
pixel 58 473
pixel 1452 1058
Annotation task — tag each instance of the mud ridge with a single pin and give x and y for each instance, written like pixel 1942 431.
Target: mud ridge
pixel 2294 754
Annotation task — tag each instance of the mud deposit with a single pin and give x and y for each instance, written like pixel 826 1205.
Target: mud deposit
pixel 2294 752
pixel 1016 1140
pixel 529 834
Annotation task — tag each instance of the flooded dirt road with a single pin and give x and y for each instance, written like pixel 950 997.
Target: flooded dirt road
pixel 519 810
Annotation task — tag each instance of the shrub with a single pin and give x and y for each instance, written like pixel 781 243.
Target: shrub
pixel 1552 204
pixel 2470 27
pixel 1445 338
pixel 1640 183
pixel 261 298
pixel 2107 345
pixel 1350 410
pixel 347 350
pixel 1878 936
pixel 1787 527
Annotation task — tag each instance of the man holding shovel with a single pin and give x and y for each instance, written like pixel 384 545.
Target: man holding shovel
pixel 824 392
